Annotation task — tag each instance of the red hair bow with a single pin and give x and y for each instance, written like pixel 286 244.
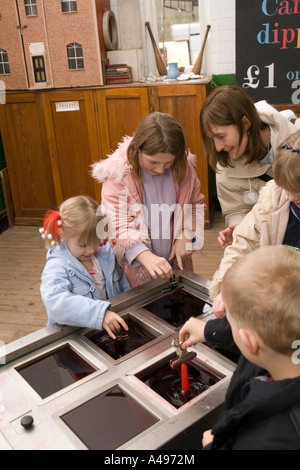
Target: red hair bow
pixel 52 222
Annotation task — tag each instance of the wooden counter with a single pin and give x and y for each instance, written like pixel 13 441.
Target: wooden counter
pixel 49 151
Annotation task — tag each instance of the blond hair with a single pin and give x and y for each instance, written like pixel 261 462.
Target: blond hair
pixel 261 292
pixel 286 169
pixel 76 217
pixel 159 133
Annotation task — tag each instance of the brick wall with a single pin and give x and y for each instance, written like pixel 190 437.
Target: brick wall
pixel 55 30
pixel 10 41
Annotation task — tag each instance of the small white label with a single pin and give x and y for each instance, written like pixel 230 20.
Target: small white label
pixel 37 48
pixel 67 106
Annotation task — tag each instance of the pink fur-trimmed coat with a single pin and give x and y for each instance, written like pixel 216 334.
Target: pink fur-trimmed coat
pixel 116 175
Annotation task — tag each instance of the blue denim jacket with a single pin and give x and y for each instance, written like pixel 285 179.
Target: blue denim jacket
pixel 69 291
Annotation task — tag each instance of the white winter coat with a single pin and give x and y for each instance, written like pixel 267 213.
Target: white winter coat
pixel 264 225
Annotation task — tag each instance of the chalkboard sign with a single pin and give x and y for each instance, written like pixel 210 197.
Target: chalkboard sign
pixel 268 49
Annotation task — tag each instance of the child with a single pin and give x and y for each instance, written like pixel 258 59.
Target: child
pixel 262 297
pixel 274 220
pixel 152 193
pixel 80 276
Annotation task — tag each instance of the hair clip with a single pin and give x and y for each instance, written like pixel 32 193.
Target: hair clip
pixel 103 242
pixel 288 147
pixel 49 231
pixel 41 230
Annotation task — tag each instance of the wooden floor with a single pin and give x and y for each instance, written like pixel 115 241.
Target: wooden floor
pixel 22 256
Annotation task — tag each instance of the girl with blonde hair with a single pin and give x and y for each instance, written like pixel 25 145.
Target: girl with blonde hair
pixel 81 273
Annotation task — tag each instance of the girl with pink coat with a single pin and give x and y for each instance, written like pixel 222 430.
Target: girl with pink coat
pixel 152 197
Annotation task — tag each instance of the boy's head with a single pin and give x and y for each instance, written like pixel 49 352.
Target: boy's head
pixel 261 293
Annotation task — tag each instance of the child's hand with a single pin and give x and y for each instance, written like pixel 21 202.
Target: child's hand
pixel 180 251
pixel 192 332
pixel 207 438
pixel 218 307
pixel 155 265
pixel 112 323
pixel 225 236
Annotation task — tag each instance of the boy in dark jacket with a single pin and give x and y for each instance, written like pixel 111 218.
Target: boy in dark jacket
pixel 262 298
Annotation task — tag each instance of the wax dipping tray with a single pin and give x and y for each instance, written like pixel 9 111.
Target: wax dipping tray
pixel 74 388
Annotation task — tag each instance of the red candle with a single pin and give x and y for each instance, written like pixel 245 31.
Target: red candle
pixel 185 384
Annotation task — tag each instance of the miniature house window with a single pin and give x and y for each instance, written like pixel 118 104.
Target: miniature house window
pixel 75 56
pixel 68 6
pixel 39 69
pixel 4 64
pixel 30 7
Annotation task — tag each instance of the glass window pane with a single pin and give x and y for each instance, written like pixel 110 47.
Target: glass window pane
pixel 30 7
pixel 75 56
pixel 73 6
pixel 68 6
pixel 79 51
pixel 71 52
pixel 4 64
pixel 80 64
pixel 64 7
pixel 72 64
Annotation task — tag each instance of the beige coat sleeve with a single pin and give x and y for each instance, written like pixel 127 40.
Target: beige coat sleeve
pixel 253 232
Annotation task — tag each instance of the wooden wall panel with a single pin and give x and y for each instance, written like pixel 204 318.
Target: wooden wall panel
pixel 49 153
pixel 120 112
pixel 28 162
pixel 74 143
pixel 184 103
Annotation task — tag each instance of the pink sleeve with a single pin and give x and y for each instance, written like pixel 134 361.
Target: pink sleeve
pixel 124 227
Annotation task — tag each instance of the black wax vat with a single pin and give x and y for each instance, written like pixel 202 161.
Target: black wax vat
pixel 128 341
pixel 55 371
pixel 176 307
pixel 109 420
pixel 166 381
